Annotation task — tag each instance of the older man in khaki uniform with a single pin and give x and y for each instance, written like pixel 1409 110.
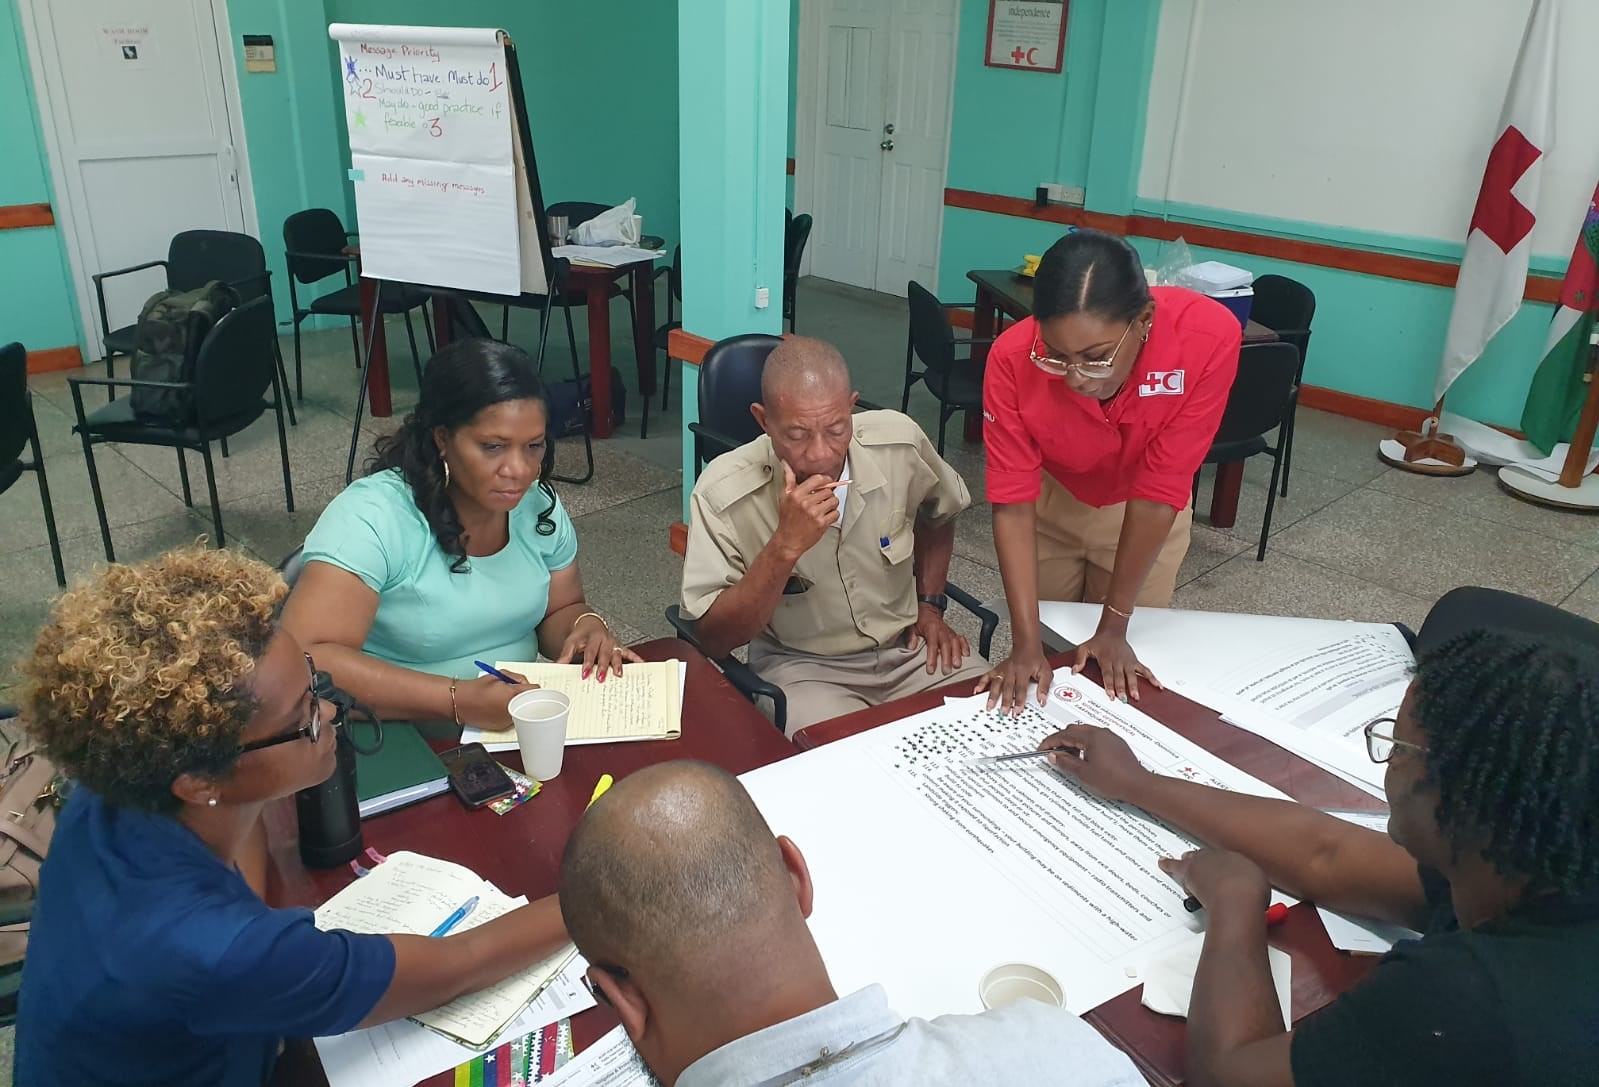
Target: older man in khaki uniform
pixel 825 544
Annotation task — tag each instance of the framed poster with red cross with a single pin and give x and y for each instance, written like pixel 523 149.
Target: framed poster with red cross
pixel 1029 35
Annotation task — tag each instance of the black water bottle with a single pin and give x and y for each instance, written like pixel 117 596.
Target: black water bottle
pixel 330 813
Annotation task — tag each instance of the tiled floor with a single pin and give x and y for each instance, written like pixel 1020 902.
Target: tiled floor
pixel 1354 539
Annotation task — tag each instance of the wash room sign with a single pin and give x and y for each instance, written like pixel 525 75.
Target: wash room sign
pixel 1026 34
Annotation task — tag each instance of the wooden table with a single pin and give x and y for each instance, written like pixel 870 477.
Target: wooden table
pixel 1002 293
pixel 596 285
pixel 1321 972
pixel 520 852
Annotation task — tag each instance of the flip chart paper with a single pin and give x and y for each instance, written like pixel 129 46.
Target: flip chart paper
pixel 930 872
pixel 430 121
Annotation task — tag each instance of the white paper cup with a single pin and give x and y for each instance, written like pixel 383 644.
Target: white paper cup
pixel 540 720
pixel 1011 982
pixel 638 225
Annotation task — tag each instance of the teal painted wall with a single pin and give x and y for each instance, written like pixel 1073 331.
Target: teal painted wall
pixel 291 124
pixel 34 274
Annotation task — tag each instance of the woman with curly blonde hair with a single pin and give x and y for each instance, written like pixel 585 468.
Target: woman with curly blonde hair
pixel 168 693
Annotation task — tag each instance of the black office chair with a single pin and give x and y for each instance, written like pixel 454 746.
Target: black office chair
pixel 194 258
pixel 1262 400
pixel 954 379
pixel 1472 608
pixel 315 244
pixel 796 232
pixel 1286 306
pixel 19 433
pixel 730 381
pixel 662 342
pixel 233 370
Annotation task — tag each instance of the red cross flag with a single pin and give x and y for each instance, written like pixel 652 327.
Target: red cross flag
pixel 1493 274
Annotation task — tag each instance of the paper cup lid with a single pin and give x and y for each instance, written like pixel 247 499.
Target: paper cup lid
pixel 1013 981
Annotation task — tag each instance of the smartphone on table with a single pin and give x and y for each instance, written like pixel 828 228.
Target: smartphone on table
pixel 474 775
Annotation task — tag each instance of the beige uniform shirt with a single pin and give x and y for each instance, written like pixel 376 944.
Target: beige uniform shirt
pixel 855 589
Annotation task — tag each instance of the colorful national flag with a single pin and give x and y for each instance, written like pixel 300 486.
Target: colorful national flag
pixel 1493 275
pixel 1558 390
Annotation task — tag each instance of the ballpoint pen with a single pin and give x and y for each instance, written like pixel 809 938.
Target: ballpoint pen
pixel 495 672
pixel 455 918
pixel 997 760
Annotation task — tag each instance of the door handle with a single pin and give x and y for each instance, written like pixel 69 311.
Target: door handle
pixel 888 129
pixel 887 145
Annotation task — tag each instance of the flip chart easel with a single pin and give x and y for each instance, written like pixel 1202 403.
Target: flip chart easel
pixel 447 185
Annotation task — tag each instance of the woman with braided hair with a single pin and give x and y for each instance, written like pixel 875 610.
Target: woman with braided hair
pixel 1492 852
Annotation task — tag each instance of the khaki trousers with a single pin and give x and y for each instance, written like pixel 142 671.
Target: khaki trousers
pixel 1077 550
pixel 822 688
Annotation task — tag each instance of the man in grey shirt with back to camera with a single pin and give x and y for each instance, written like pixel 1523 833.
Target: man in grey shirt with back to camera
pixel 692 916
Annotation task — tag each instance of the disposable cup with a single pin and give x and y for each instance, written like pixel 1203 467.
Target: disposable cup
pixel 1015 981
pixel 540 718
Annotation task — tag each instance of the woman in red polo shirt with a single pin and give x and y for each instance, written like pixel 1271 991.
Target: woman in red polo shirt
pixel 1098 411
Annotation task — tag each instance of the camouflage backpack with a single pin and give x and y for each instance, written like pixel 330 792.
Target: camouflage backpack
pixel 171 328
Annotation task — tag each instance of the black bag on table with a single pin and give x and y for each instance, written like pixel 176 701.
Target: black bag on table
pixel 172 325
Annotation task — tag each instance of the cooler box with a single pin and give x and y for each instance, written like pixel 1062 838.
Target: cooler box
pixel 1238 301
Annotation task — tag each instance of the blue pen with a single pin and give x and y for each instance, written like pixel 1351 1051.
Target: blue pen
pixel 455 918
pixel 495 672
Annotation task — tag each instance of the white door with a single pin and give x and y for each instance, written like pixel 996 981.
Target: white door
pixel 139 103
pixel 921 63
pixel 849 159
pixel 874 116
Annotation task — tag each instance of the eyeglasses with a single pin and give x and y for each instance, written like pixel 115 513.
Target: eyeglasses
pixel 1089 368
pixel 1380 742
pixel 311 729
pixel 617 972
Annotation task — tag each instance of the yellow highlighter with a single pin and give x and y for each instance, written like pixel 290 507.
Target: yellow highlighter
pixel 599 788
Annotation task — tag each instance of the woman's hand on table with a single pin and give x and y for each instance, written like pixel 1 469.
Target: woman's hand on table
pixel 1119 666
pixel 1006 683
pixel 485 702
pixel 1222 880
pixel 1098 759
pixel 592 645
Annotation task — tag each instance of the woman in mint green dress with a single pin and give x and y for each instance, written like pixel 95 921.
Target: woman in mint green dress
pixel 453 548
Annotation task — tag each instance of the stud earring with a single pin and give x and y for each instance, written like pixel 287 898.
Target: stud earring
pixel 211 803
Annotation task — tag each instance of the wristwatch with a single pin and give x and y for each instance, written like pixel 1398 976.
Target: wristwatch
pixel 937 600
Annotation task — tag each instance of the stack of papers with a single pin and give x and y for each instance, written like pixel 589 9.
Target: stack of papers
pixel 644 703
pixel 606 256
pixel 411 894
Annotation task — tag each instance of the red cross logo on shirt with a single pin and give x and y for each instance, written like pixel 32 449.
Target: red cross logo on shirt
pixel 1162 383
pixel 1499 215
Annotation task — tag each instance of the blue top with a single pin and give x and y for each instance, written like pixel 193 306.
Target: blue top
pixel 152 962
pixel 430 619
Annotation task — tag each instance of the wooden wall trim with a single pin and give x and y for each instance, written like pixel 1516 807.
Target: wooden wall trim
pixel 54 358
pixel 21 216
pixel 790 167
pixel 1321 254
pixel 677 537
pixel 687 347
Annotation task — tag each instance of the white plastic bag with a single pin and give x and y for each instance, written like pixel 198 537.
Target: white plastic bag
pixel 613 227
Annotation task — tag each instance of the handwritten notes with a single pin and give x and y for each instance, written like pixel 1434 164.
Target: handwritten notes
pixel 644 703
pixel 430 120
pixel 410 894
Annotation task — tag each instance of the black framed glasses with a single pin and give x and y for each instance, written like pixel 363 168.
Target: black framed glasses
pixel 312 729
pixel 1380 742
pixel 617 972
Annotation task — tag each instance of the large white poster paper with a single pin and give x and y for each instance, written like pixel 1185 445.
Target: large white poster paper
pixel 929 872
pixel 430 122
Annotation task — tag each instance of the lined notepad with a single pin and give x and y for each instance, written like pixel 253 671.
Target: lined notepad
pixel 409 894
pixel 644 703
